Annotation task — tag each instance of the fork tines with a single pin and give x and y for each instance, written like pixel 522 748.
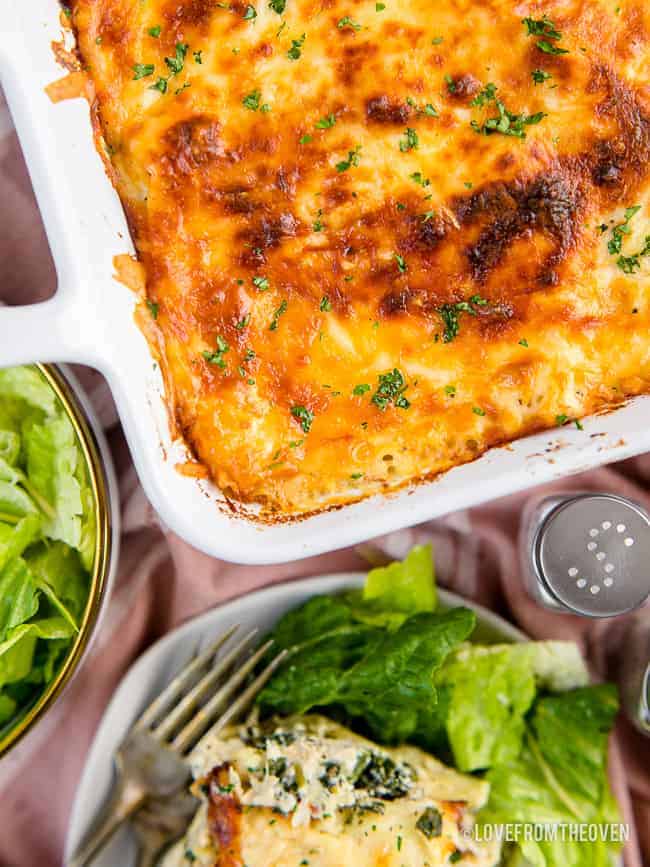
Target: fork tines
pixel 198 697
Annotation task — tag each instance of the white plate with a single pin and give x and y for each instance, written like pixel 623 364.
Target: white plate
pixel 151 673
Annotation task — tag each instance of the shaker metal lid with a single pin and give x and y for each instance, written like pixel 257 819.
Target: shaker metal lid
pixel 593 554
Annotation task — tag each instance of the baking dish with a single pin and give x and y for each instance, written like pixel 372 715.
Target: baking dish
pixel 91 320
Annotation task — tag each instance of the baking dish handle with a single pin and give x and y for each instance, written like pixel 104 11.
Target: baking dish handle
pixel 48 331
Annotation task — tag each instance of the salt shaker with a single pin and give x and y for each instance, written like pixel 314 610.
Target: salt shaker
pixel 586 553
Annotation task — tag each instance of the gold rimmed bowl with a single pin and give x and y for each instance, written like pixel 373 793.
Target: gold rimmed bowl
pixel 105 504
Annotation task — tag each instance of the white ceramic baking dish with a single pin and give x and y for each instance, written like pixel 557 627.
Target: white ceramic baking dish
pixel 90 320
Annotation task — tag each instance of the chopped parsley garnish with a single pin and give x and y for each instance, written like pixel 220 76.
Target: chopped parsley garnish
pixel 361 389
pixel 451 314
pixel 154 31
pixel 355 476
pixel 430 823
pixel 352 160
pixel 478 411
pixel 451 84
pixel 450 390
pixel 142 70
pixel 160 84
pixel 278 6
pixel 305 139
pixel 437 40
pixel 304 416
pixel 523 342
pixel 326 122
pixel 153 308
pixel 197 55
pixel 455 856
pixel 505 122
pixel 217 357
pixel 252 102
pixel 325 304
pixel 250 13
pixel 346 21
pixel 544 27
pixel 399 843
pixel 427 109
pixel 261 283
pixel 419 178
pixel 561 419
pixel 189 855
pixel 177 62
pixel 280 311
pixel 379 7
pixel 410 141
pixel 296 48
pixel 627 264
pixel 390 389
pixel 622 229
pixel 318 224
pixel 541 27
pixel 549 48
pixel 539 76
pixel 401 264
pixel 243 322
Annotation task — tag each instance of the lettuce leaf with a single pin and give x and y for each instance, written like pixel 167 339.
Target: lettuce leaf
pixel 489 695
pixel 490 689
pixel 394 592
pixel 9 446
pixel 52 457
pixel 18 596
pixel 386 677
pixel 560 777
pixel 47 539
pixel 26 385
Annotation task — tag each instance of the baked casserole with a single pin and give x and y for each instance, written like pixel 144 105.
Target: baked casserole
pixel 378 238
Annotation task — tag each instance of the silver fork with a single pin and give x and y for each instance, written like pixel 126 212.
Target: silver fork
pixel 152 761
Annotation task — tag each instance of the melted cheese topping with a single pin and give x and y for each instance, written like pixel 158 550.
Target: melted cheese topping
pixel 326 797
pixel 379 237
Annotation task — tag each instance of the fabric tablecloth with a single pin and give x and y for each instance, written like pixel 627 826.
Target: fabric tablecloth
pixel 162 581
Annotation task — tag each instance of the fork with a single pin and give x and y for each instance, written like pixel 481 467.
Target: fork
pixel 161 822
pixel 152 761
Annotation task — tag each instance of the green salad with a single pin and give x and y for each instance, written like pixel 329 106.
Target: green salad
pixel 390 663
pixel 47 538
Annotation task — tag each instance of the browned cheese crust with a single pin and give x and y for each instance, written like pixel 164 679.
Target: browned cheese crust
pixel 379 238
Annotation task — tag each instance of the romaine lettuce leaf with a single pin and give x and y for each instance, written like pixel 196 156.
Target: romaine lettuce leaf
pixel 14 502
pixel 52 457
pixel 490 692
pixel 7 707
pixel 14 538
pixel 560 777
pixel 386 677
pixel 394 592
pixel 25 384
pixel 59 573
pixel 46 512
pixel 18 596
pixel 9 446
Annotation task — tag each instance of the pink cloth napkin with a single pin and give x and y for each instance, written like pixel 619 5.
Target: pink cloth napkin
pixel 162 581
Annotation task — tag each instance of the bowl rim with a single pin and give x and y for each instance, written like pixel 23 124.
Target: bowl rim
pixel 100 483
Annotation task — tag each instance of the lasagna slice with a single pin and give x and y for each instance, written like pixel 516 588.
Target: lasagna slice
pixel 378 238
pixel 308 791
